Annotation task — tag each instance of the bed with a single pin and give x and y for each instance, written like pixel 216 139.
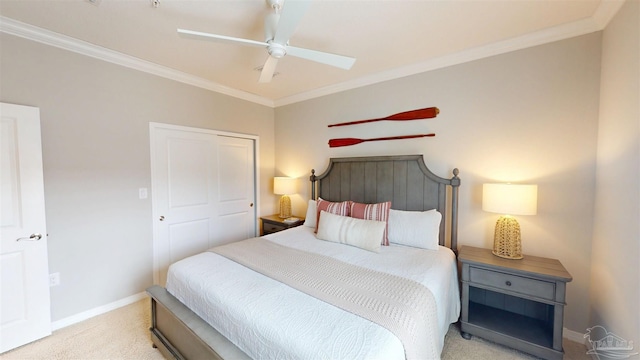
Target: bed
pixel 264 318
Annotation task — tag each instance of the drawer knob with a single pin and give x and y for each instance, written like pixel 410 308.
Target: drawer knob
pixel 508 283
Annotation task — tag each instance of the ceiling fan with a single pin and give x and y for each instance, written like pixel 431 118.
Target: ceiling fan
pixel 279 25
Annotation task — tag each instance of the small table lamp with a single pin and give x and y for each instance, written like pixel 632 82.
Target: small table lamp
pixel 509 199
pixel 284 186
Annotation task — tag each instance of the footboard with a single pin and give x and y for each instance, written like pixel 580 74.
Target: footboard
pixel 181 334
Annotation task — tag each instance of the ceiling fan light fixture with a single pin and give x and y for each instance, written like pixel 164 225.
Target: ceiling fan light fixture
pixel 277 50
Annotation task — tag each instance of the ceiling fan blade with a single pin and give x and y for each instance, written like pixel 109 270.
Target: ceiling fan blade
pixel 270 25
pixel 292 13
pixel 220 38
pixel 268 69
pixel 340 61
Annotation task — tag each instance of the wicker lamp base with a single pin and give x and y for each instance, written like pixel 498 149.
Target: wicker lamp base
pixel 285 207
pixel 506 240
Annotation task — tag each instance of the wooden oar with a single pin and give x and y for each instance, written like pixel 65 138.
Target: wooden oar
pixel 426 113
pixel 354 141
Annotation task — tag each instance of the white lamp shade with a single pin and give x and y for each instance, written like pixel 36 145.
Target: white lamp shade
pixel 510 199
pixel 284 185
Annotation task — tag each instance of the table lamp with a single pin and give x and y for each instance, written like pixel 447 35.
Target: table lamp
pixel 508 200
pixel 284 186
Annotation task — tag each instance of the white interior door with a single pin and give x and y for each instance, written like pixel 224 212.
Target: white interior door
pixel 199 177
pixel 24 271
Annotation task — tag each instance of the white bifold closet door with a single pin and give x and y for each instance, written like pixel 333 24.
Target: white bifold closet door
pixel 203 190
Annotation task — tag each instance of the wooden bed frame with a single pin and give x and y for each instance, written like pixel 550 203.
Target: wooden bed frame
pixel 404 180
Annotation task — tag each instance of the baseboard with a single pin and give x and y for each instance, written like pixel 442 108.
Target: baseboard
pixel 56 325
pixel 573 336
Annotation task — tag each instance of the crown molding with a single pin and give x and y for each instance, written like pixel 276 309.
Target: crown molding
pixel 605 12
pixel 20 29
pixel 556 33
pixel 600 19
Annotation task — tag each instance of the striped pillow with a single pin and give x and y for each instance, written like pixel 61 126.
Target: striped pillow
pixel 338 208
pixel 351 231
pixel 378 212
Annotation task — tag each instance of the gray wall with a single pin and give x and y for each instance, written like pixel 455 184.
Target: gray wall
pixel 615 270
pixel 529 116
pixel 95 136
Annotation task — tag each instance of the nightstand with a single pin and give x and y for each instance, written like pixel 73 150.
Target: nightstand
pixel 274 223
pixel 517 303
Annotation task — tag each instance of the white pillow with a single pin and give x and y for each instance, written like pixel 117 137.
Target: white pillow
pixel 419 229
pixel 365 234
pixel 310 219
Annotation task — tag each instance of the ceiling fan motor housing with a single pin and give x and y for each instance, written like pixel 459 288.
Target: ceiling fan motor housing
pixel 277 50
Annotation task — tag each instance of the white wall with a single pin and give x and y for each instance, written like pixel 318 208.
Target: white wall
pixel 615 269
pixel 526 116
pixel 95 135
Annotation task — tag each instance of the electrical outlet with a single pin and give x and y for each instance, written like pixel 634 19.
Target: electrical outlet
pixel 54 279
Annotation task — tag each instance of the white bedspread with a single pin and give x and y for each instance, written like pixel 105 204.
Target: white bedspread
pixel 269 320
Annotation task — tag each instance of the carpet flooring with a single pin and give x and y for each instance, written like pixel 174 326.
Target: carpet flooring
pixel 124 334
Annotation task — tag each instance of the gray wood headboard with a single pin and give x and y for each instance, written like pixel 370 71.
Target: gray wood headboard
pixel 404 180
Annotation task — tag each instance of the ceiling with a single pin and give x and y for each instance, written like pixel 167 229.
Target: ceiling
pixel 390 39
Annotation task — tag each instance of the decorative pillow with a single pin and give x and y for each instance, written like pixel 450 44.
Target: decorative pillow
pixel 364 234
pixel 311 218
pixel 338 208
pixel 419 229
pixel 378 212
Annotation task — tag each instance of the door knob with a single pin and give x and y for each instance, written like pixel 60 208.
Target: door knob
pixel 32 237
pixel 161 217
pixel 251 205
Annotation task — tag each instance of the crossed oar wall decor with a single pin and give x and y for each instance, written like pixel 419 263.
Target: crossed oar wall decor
pixel 426 113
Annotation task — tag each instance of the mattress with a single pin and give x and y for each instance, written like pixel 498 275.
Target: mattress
pixel 267 319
